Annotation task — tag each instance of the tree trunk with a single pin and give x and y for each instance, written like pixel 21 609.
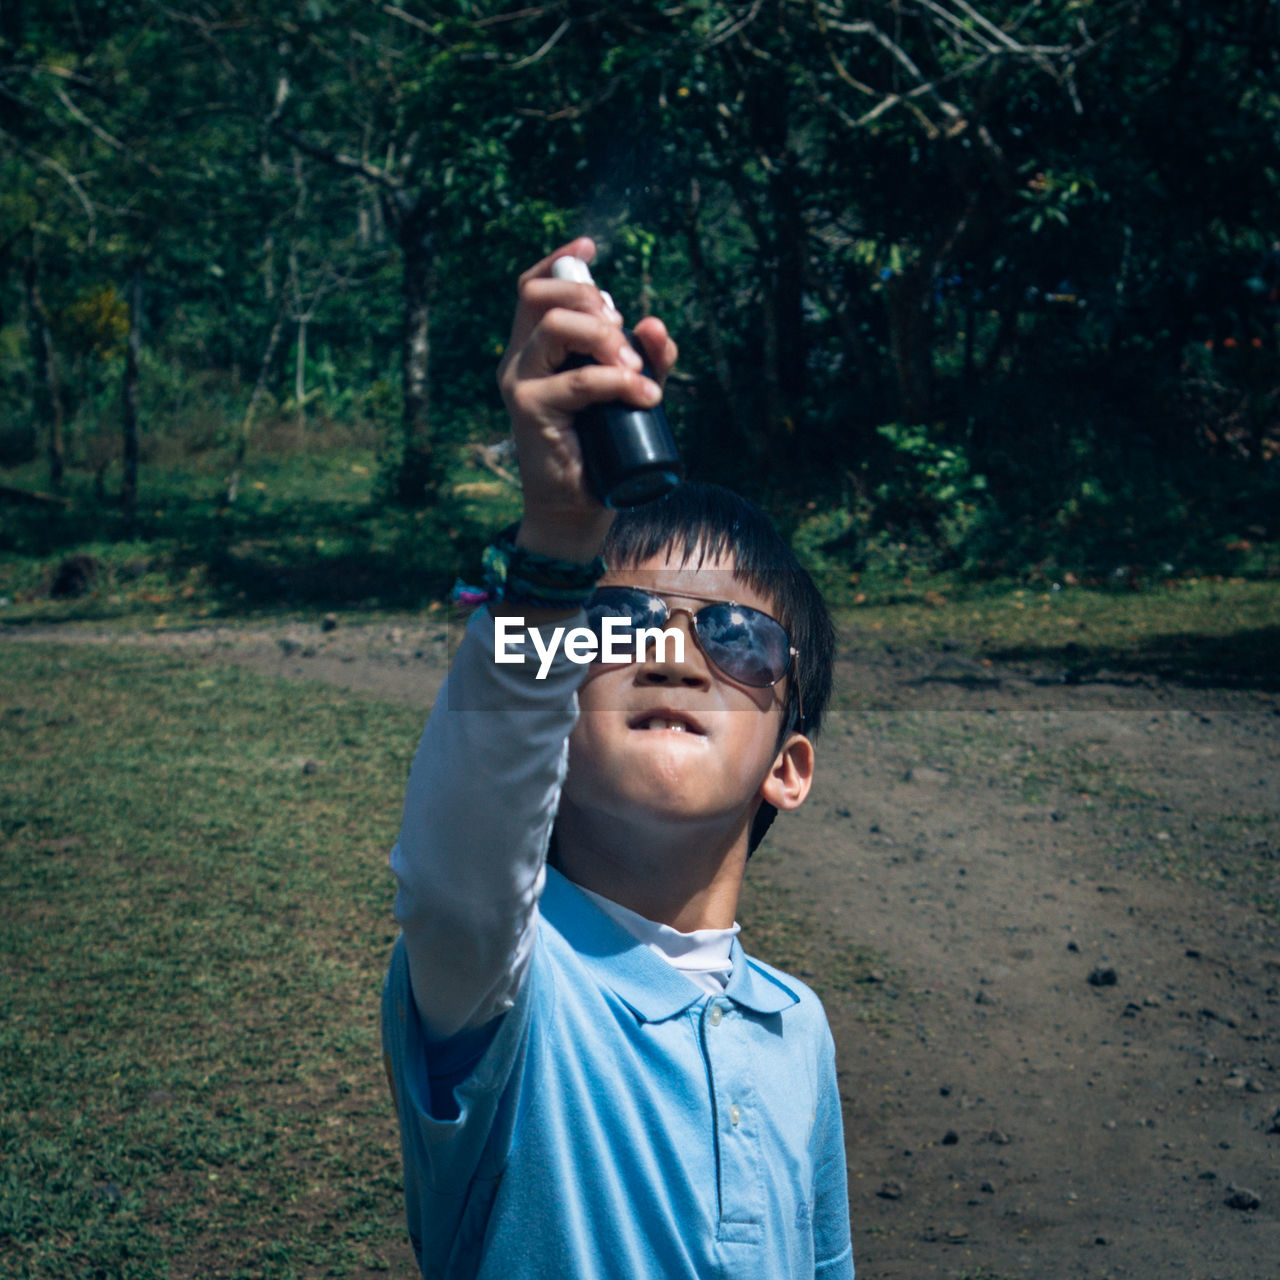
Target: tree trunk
pixel 704 294
pixel 259 390
pixel 129 480
pixel 970 320
pixel 1005 343
pixel 770 368
pixel 300 379
pixel 1115 340
pixel 418 480
pixel 788 285
pixel 857 352
pixel 762 412
pixel 48 400
pixel 269 267
pixel 908 296
pixel 12 21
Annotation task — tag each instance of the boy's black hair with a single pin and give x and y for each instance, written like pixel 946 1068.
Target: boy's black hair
pixel 697 522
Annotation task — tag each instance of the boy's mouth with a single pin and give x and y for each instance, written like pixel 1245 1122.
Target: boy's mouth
pixel 668 721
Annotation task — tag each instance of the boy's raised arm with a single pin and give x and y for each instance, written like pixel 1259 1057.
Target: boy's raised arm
pixel 485 783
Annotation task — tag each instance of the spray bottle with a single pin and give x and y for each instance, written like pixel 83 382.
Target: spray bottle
pixel 628 454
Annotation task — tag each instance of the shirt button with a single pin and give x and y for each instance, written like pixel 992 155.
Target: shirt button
pixel 735 1114
pixel 715 1015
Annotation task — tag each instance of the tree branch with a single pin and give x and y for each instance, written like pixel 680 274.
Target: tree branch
pixel 730 27
pixel 340 160
pixel 419 24
pixel 66 175
pixel 99 132
pixel 987 42
pixel 549 44
pixel 516 15
pixel 577 111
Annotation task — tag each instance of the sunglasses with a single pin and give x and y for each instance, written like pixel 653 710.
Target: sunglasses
pixel 748 646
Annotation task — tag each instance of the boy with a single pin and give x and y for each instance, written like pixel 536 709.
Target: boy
pixel 593 1081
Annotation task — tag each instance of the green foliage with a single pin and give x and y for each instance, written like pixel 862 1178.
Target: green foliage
pixel 1059 256
pixel 825 543
pixel 96 320
pixel 1050 197
pixel 920 518
pixel 932 484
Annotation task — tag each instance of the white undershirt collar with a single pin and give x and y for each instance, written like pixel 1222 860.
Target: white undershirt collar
pixel 703 955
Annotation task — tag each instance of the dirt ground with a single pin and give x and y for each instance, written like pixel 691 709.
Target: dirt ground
pixel 1064 1060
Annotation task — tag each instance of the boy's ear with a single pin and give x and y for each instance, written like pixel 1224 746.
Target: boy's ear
pixel 791 775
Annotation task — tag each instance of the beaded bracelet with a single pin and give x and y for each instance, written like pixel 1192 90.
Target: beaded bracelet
pixel 518 576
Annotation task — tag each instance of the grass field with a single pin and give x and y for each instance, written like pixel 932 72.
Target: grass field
pixel 195 909
pixel 304 531
pixel 1223 632
pixel 196 913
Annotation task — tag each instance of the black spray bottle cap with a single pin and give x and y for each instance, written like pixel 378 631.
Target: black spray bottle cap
pixel 629 455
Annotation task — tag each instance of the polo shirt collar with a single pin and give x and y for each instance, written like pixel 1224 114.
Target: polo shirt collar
pixel 754 987
pixel 650 987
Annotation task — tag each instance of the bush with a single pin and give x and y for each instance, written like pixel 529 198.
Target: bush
pixel 915 508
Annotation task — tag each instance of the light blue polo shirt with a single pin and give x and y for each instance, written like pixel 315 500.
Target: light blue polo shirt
pixel 620 1124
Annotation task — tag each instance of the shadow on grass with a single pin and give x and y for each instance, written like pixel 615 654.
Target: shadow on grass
pixel 317 553
pixel 1246 659
pixel 251 575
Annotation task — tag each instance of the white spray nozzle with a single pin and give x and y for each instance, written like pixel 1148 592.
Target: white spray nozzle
pixel 572 269
pixel 569 268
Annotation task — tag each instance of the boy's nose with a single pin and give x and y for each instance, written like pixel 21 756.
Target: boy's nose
pixel 667 664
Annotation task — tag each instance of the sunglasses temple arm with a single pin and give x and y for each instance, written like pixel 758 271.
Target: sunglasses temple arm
pixel 795 668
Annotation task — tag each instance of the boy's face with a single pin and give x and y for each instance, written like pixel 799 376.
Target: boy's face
pixel 668 740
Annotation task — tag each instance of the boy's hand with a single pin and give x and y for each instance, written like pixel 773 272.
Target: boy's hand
pixel 554 320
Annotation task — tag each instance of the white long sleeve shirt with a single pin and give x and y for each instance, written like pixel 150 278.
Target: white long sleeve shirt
pixel 478 813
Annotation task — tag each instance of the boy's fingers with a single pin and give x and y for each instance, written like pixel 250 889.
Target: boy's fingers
pixel 559 319
pixel 582 247
pixel 562 395
pixel 661 351
pixel 540 294
pixel 562 333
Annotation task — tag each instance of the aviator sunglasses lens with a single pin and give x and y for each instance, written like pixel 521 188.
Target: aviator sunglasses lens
pixel 636 608
pixel 747 645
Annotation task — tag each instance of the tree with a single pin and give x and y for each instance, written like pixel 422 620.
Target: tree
pixel 411 109
pixel 119 153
